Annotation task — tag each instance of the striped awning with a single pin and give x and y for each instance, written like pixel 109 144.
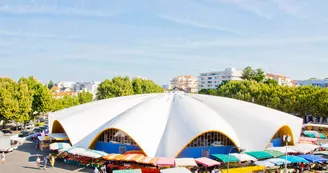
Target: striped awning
pixel 111 156
pixel 132 157
pixel 147 160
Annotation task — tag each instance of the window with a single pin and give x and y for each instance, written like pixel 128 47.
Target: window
pixel 205 153
pixel 209 78
pixel 122 150
pixel 209 81
pixel 116 136
pixel 211 139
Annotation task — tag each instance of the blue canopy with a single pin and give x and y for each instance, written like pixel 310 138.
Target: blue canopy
pixel 294 159
pixel 313 158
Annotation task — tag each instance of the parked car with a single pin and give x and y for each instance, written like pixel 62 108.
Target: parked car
pixel 24 134
pixel 7 132
pixel 37 130
pixel 19 128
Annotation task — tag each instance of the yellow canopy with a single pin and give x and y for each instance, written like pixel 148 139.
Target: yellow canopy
pixel 244 169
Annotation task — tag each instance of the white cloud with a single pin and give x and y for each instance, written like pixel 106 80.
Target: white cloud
pixel 190 22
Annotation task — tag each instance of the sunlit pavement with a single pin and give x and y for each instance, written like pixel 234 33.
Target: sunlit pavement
pixel 23 161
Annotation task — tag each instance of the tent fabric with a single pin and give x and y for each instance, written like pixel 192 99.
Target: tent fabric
pixel 294 159
pixel 75 150
pixel 324 145
pixel 274 153
pixel 244 169
pixel 185 162
pixel 311 134
pixel 59 146
pixel 225 158
pixel 163 161
pixel 290 149
pixel 128 171
pixel 259 154
pixel 305 148
pixel 265 163
pixel 278 161
pixel 175 170
pixel 132 157
pixel 59 136
pixel 207 162
pixel 322 136
pixel 147 160
pixel 43 138
pixel 243 157
pixel 308 139
pixel 92 154
pixel 211 114
pixel 111 156
pixel 313 158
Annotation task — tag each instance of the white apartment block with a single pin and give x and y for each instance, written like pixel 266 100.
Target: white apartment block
pixel 212 80
pixel 186 83
pixel 78 87
pixel 282 80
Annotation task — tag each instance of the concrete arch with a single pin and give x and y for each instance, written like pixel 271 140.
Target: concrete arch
pixel 94 141
pixel 234 142
pixel 284 130
pixel 57 127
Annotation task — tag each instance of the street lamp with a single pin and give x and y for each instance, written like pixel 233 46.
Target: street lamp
pixel 286 138
pixel 240 151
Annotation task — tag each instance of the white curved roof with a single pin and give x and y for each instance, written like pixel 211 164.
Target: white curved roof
pixel 163 124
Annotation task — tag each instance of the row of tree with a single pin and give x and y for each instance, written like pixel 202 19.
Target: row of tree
pixel 124 86
pixel 301 101
pixel 24 100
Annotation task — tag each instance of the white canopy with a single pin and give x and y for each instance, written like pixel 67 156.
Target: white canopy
pixel 243 157
pixel 175 170
pixel 179 118
pixel 185 162
pixel 290 149
pixel 93 153
pixel 305 148
pixel 75 150
pixel 265 163
pixel 59 146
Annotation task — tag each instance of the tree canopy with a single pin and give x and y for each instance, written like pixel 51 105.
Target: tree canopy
pixel 257 75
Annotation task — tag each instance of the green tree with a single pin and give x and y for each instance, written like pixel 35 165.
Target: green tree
pixel 258 75
pixel 247 73
pixel 271 82
pixel 25 97
pixel 137 84
pixel 85 97
pixel 9 104
pixel 50 84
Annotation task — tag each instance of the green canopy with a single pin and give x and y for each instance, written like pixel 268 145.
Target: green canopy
pixel 259 154
pixel 225 158
pixel 274 153
pixel 309 134
pixel 128 171
pixel 322 136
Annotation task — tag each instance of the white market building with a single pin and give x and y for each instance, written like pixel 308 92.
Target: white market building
pixel 173 125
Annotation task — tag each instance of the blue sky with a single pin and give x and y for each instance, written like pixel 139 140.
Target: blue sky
pixel 159 39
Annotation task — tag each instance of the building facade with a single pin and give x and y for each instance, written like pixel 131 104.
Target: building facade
pixel 90 87
pixel 314 82
pixel 186 83
pixel 212 80
pixel 282 80
pixel 73 88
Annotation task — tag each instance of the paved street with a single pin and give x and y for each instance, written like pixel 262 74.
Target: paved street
pixel 23 161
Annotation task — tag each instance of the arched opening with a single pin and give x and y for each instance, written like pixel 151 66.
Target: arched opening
pixel 277 138
pixel 58 128
pixel 115 141
pixel 207 143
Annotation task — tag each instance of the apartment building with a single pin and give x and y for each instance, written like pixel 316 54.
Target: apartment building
pixel 186 83
pixel 73 88
pixel 87 86
pixel 282 80
pixel 212 79
pixel 314 82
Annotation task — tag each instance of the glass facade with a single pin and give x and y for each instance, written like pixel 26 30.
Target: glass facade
pixel 116 136
pixel 211 139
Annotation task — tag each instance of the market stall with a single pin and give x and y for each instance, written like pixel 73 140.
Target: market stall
pixel 243 157
pixel 259 155
pixel 59 146
pixel 207 162
pixel 305 148
pixel 165 162
pixel 185 162
pixel 289 150
pixel 43 142
pixel 313 158
pixel 128 171
pixel 175 170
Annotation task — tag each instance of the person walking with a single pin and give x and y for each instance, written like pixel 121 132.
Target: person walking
pixel 3 158
pixel 45 162
pixel 96 170
pixel 38 161
pixel 52 161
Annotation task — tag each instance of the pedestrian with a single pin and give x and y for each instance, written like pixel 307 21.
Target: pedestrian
pixel 38 161
pixel 103 169
pixel 96 170
pixel 52 161
pixel 45 162
pixel 3 158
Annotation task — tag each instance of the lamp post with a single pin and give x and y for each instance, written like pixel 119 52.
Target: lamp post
pixel 286 138
pixel 240 150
